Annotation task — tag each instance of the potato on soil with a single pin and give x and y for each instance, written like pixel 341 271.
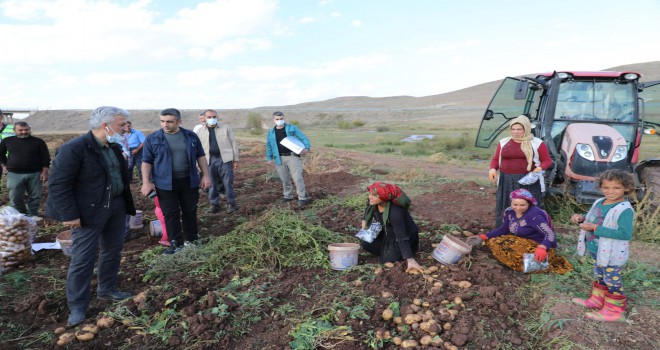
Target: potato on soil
pixel 436 341
pixel 386 294
pixel 412 318
pixel 84 336
pixel 467 234
pixel 90 328
pixel 65 339
pixel 426 340
pixel 446 326
pixel 426 304
pixel 409 344
pixel 432 269
pixel 59 330
pixel 105 322
pixel 378 271
pixel 398 320
pixel 388 314
pixel 450 346
pixel 389 265
pixel 417 302
pixel 458 301
pixel 438 284
pixel 464 284
pixel 397 340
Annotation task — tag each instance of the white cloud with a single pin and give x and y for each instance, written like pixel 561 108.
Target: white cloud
pixel 346 64
pixel 86 31
pixel 200 77
pixel 335 14
pixel 356 23
pixel 306 20
pixel 105 79
pixel 324 2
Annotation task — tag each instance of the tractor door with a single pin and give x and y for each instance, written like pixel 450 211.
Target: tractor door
pixel 513 98
pixel 650 101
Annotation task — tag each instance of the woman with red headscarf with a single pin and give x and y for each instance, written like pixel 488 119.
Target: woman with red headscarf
pixel 399 237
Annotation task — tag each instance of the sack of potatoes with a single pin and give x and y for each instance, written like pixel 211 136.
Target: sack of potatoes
pixel 16 234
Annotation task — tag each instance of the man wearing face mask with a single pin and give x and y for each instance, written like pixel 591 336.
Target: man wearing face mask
pixel 287 162
pixel 89 192
pixel 221 151
pixel 25 160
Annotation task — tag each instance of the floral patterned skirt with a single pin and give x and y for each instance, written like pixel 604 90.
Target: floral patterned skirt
pixel 509 249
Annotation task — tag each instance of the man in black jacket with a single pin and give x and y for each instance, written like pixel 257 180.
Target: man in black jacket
pixel 89 192
pixel 25 160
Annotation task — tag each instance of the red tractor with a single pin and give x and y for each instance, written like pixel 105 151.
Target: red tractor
pixel 590 121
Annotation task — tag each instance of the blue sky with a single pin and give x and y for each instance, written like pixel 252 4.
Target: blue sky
pixel 248 53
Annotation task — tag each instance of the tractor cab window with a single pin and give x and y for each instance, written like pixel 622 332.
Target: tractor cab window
pixel 593 101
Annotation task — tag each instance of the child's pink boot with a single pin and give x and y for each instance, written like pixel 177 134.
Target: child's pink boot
pixel 595 301
pixel 614 309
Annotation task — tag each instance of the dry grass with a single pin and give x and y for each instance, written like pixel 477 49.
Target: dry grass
pixel 314 164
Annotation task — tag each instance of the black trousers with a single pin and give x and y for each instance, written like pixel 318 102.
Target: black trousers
pixel 180 207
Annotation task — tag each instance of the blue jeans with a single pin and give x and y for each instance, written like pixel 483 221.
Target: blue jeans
pixel 86 241
pixel 180 205
pixel 135 160
pixel 18 185
pixel 222 176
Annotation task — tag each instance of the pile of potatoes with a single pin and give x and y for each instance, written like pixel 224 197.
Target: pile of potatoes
pixel 85 333
pixel 424 320
pixel 16 235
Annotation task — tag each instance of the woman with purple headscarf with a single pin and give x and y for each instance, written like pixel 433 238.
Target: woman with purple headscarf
pixel 526 229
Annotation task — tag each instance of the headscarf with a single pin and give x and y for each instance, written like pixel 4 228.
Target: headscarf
pixel 526 140
pixel 388 193
pixel 522 193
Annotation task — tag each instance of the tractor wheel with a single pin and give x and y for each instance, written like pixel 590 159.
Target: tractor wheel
pixel 650 177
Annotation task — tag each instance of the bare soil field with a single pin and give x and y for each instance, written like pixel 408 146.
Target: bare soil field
pixel 494 312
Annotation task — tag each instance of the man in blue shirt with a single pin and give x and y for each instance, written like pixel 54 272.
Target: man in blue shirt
pixel 135 143
pixel 288 163
pixel 174 153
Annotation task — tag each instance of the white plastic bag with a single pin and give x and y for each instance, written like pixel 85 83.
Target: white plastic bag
pixel 368 235
pixel 531 178
pixel 17 232
pixel 531 265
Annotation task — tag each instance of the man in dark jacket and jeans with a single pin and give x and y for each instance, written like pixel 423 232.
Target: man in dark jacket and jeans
pixel 173 153
pixel 89 192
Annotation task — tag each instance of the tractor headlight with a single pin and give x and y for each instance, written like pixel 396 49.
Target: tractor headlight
pixel 585 151
pixel 620 153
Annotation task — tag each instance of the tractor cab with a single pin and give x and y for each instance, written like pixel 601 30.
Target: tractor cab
pixel 590 121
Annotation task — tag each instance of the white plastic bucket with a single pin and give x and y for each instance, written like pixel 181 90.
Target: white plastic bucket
pixel 64 239
pixel 135 221
pixel 155 228
pixel 343 255
pixel 450 250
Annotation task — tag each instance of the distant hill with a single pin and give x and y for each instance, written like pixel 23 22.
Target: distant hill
pixel 458 108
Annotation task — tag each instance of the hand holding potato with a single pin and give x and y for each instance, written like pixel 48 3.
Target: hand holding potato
pixel 413 266
pixel 577 218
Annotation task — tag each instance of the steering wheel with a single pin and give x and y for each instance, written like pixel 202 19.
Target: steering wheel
pixel 584 116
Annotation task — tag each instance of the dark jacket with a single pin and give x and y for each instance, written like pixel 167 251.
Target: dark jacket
pixel 79 183
pixel 156 152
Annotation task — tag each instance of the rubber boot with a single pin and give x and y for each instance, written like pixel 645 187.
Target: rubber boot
pixel 614 309
pixel 595 301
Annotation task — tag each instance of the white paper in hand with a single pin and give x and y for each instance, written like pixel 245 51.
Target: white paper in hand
pixel 293 143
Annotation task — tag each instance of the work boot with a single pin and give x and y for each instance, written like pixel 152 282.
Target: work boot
pixel 302 202
pixel 213 209
pixel 595 301
pixel 231 208
pixel 286 200
pixel 113 296
pixel 76 317
pixel 614 309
